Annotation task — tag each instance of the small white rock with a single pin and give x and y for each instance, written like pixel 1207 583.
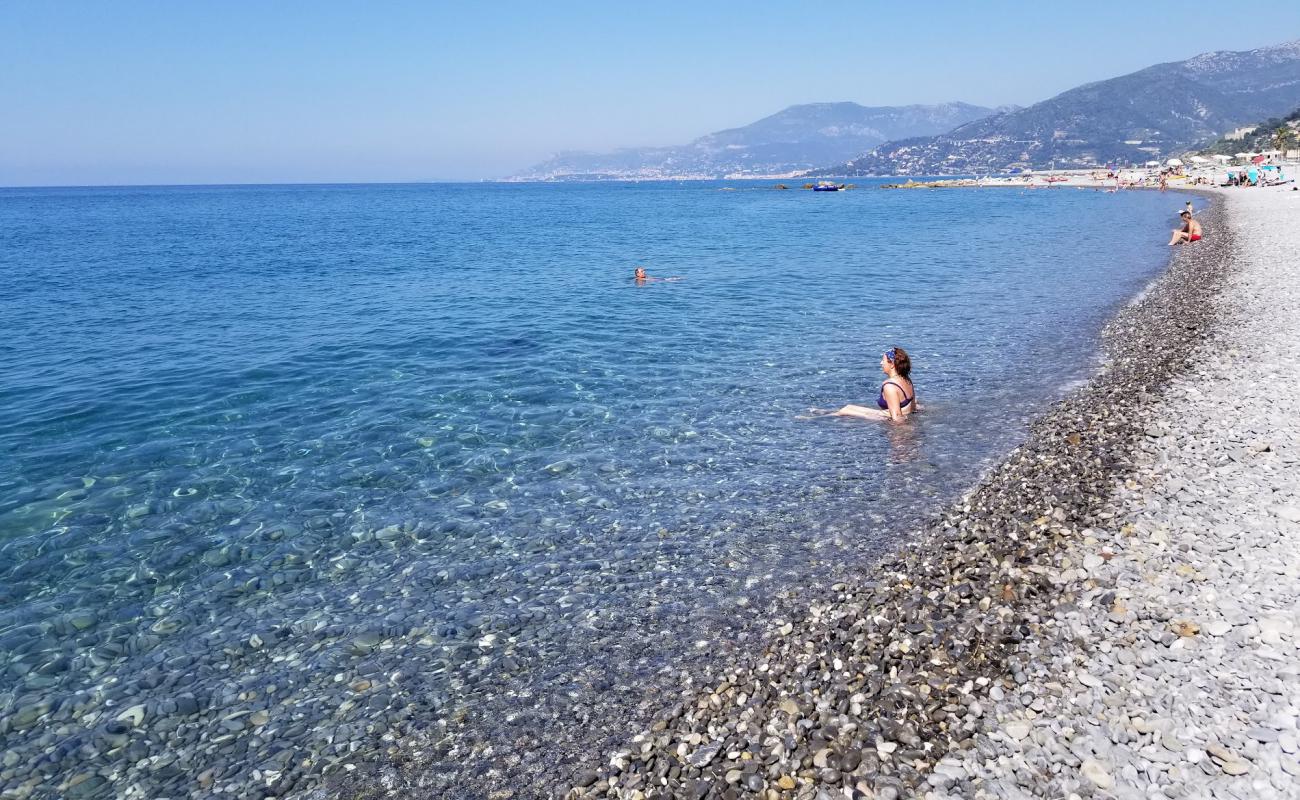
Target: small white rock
pixel 1016 729
pixel 1095 772
pixel 1217 627
pixel 1089 680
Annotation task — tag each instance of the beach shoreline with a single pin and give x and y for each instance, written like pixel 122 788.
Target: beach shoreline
pixel 1198 180
pixel 1173 673
pixel 258 638
pixel 889 636
pixel 598 704
pixel 869 691
pixel 413 770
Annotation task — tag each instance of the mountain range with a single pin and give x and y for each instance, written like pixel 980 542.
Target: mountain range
pixel 1155 112
pixel 798 138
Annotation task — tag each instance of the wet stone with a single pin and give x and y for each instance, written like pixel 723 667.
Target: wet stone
pixel 86 785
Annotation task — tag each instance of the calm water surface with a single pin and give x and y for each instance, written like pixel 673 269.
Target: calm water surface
pixel 258 444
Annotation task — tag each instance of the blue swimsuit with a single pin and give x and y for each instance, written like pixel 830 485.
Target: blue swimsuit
pixel 880 401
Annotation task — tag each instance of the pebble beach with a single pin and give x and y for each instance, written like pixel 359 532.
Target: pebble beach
pixel 1108 612
pixel 302 561
pixel 1111 613
pixel 1175 672
pixel 507 418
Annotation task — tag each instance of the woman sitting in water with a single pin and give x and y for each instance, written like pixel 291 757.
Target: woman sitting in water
pixel 897 397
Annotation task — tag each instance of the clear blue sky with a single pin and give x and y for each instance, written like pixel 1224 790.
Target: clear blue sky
pixel 278 90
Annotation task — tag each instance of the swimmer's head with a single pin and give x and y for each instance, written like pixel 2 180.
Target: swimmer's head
pixel 640 273
pixel 896 358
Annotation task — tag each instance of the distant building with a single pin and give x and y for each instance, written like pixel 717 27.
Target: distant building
pixel 1240 133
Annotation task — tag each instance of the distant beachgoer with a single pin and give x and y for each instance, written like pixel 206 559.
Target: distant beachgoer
pixel 641 277
pixel 897 398
pixel 1189 232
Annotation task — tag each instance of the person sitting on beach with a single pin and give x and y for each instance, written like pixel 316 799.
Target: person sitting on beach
pixel 1189 232
pixel 897 397
pixel 641 277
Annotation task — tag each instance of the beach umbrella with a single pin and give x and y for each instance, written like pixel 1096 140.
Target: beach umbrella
pixel 1200 160
pixel 1257 159
pixel 1242 155
pixel 1271 153
pixel 1174 162
pixel 1153 163
pixel 1222 158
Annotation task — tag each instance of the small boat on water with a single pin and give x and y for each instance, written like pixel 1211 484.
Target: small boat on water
pixel 827 186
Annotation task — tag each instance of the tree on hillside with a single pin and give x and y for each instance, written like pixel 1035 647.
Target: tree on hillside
pixel 1272 132
pixel 1283 138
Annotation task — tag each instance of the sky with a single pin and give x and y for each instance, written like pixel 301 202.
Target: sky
pixel 94 92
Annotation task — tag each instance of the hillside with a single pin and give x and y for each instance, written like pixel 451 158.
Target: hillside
pixel 1155 112
pixel 798 138
pixel 1271 134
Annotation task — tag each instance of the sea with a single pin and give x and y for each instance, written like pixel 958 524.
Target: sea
pixel 288 472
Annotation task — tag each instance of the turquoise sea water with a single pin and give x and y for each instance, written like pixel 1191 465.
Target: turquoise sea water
pixel 262 437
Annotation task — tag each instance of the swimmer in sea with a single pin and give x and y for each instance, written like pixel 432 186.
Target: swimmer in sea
pixel 897 398
pixel 642 278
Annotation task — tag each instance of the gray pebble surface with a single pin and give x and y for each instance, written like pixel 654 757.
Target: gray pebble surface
pixel 1174 670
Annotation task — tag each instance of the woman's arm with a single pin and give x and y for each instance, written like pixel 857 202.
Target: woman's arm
pixel 893 399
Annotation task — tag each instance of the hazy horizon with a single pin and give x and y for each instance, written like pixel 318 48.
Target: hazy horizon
pixel 340 92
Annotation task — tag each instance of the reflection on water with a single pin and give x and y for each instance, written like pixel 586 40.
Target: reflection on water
pixel 905 440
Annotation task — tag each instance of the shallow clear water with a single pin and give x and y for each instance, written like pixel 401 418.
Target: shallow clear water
pixel 443 416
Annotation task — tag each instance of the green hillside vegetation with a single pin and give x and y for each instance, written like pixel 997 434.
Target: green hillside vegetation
pixel 1271 134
